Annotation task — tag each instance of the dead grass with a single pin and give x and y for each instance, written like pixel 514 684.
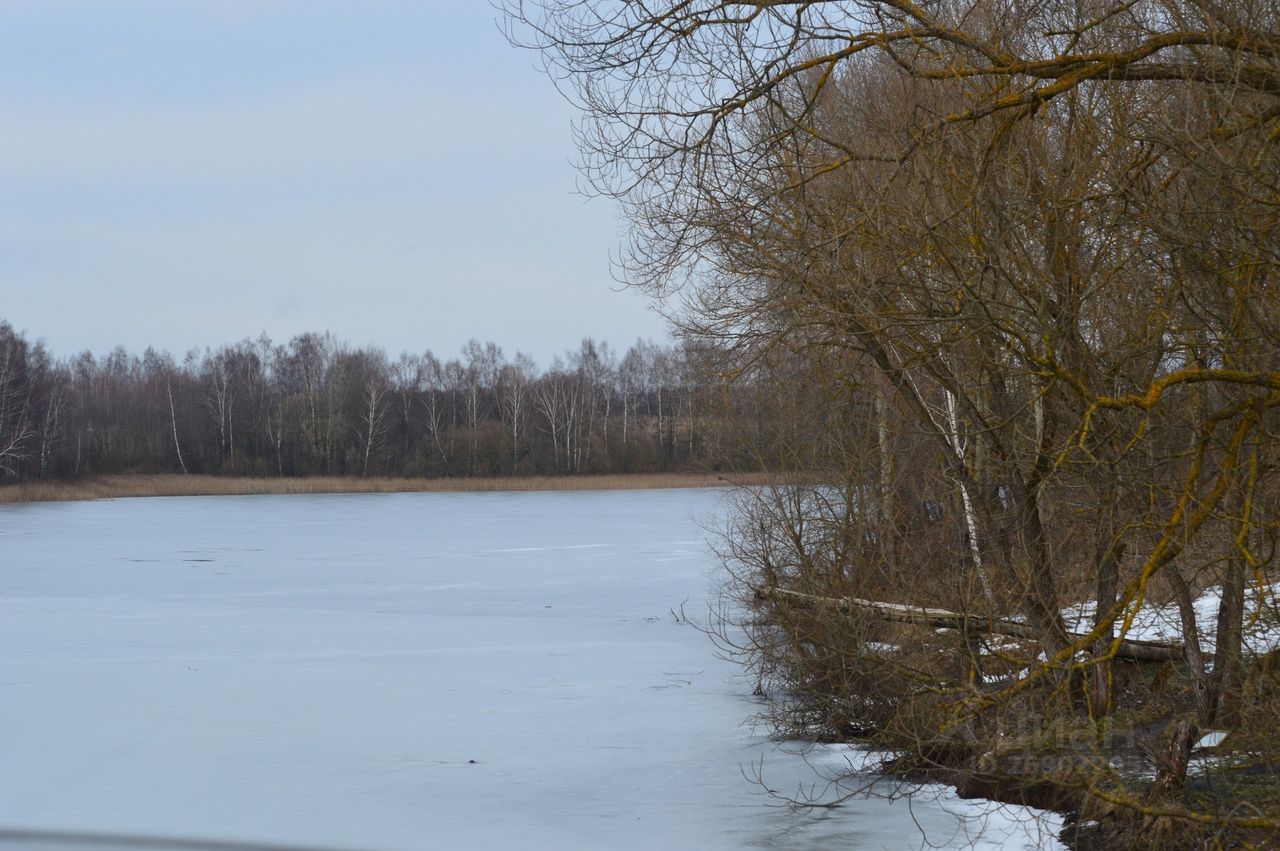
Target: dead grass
pixel 116 487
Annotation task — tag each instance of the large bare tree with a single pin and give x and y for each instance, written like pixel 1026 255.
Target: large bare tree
pixel 1034 243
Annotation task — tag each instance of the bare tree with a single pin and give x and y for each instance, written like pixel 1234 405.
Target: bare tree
pixel 1043 236
pixel 16 429
pixel 375 387
pixel 514 382
pixel 437 384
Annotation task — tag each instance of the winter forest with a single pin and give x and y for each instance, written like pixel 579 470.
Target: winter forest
pixel 318 406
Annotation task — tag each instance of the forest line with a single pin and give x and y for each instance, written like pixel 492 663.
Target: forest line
pixel 317 406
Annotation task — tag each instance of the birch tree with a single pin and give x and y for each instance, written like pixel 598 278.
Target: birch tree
pixel 16 429
pixel 436 384
pixel 514 382
pixel 373 382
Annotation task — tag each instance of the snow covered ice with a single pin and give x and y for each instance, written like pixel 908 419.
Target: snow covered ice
pixel 407 671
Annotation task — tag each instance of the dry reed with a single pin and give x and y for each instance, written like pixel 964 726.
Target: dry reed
pixel 126 486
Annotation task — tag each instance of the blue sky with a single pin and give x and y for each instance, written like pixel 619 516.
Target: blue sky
pixel 183 174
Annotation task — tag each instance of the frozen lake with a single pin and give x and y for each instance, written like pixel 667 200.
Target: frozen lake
pixel 407 671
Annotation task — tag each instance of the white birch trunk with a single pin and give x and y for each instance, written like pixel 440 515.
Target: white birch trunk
pixel 970 516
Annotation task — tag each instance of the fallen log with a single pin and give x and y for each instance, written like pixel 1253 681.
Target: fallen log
pixel 1137 650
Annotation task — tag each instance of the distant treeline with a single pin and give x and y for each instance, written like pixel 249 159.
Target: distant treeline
pixel 317 406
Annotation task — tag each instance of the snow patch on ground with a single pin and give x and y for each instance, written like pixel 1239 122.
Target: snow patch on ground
pixel 1162 623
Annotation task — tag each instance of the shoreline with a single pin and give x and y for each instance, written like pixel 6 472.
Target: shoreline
pixel 126 486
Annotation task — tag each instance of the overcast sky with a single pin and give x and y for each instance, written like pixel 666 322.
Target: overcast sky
pixel 182 174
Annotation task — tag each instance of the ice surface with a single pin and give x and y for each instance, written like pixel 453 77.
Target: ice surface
pixel 401 671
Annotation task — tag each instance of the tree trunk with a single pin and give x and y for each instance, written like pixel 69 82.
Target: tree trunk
pixel 173 420
pixel 1173 769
